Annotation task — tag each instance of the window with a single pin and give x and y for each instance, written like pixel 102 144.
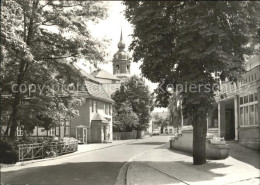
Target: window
pixel 256 114
pixel 106 109
pixel 170 130
pixel 213 119
pixel 245 99
pixel 19 131
pixel 251 98
pixel 241 115
pixel 117 69
pixel 251 114
pixel 246 115
pixel 249 110
pixel 94 106
pixel 241 100
pixel 110 110
pixel 51 132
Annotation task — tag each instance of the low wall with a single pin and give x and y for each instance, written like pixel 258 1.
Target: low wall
pixel 249 137
pixel 130 135
pixel 125 135
pixel 184 142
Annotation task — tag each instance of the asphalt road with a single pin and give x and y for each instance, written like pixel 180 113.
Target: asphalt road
pixel 95 167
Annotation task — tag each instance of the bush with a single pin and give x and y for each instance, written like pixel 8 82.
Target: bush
pixel 8 152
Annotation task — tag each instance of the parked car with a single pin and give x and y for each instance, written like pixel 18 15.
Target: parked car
pixel 156 132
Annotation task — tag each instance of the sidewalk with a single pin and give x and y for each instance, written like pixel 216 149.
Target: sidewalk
pixel 82 148
pixel 164 166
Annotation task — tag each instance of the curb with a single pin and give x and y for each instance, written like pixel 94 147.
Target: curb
pixel 59 157
pixel 123 176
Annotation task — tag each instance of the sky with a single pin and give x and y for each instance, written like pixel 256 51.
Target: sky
pixel 110 28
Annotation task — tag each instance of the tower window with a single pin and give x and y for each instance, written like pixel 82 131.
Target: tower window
pixel 117 69
pixel 127 68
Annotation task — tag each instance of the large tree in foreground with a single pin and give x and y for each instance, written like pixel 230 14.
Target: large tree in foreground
pixel 184 43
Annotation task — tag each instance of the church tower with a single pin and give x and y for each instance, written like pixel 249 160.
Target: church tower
pixel 121 62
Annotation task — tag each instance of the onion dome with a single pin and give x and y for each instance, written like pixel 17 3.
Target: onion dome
pixel 121 54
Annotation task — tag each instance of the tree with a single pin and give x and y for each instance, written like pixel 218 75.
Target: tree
pixel 136 93
pixel 183 43
pixel 160 119
pixel 40 41
pixel 124 118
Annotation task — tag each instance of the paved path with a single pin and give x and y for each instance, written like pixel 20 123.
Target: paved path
pixel 244 154
pixel 164 166
pixel 100 166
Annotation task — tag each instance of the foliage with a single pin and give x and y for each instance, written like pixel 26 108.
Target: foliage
pixel 160 119
pixel 135 94
pixel 40 42
pixel 8 153
pixel 125 119
pixel 184 43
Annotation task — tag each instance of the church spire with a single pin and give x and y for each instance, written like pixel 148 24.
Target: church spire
pixel 121 44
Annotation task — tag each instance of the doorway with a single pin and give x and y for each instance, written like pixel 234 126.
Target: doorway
pixel 229 120
pixel 81 133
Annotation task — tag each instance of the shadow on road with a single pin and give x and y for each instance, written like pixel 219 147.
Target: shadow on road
pixel 69 173
pixel 147 143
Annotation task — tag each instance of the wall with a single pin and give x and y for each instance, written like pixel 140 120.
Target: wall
pixel 125 135
pixel 249 136
pixel 96 133
pixel 82 119
pixel 185 143
pixel 100 109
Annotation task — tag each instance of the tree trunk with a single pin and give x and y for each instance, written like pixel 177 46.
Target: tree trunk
pixel 7 127
pixel 17 100
pixel 22 69
pixel 199 138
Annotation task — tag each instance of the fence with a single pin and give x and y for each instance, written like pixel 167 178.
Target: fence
pixel 130 135
pixel 42 150
pixel 125 135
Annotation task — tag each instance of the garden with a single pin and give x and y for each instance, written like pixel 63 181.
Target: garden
pixel 35 148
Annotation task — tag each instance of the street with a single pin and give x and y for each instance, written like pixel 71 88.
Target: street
pixel 94 167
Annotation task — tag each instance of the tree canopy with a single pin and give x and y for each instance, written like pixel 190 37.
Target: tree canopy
pixel 40 42
pixel 135 94
pixel 182 43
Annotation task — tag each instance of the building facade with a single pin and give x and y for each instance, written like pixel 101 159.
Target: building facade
pixel 236 116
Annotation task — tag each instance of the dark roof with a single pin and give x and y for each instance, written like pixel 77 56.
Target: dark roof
pixel 92 88
pixel 97 91
pixel 100 73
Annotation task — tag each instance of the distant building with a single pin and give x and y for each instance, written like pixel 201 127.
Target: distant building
pixel 94 123
pixel 169 130
pixel 105 77
pixel 121 70
pixel 121 61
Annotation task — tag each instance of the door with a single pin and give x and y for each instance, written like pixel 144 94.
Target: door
pixel 230 125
